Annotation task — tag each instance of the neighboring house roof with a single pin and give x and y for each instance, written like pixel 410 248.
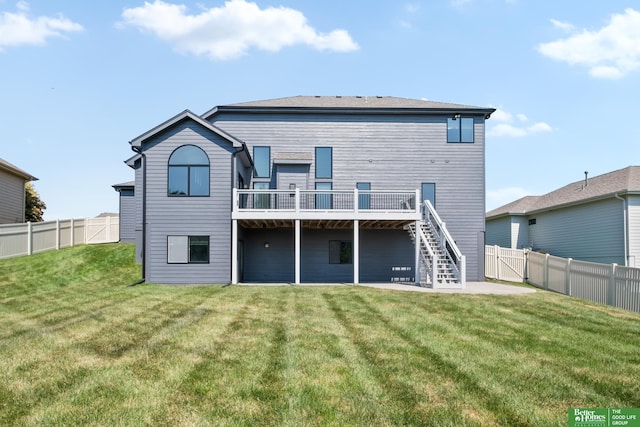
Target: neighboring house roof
pixel 179 118
pixel 351 102
pixel 621 182
pixel 14 170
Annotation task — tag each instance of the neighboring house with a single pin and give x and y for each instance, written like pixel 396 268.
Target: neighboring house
pixel 126 192
pixel 12 192
pixel 313 189
pixel 595 219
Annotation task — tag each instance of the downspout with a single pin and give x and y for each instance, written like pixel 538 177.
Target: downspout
pixel 143 158
pixel 624 225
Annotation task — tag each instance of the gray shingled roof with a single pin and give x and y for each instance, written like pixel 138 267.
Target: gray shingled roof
pixel 622 181
pixel 14 170
pixel 353 102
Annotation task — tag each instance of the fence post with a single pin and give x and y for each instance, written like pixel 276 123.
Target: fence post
pixel 29 238
pixel 611 290
pixel 567 289
pixel 73 228
pixel 496 262
pixel 546 272
pixel 57 234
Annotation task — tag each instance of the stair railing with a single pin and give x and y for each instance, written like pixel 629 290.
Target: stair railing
pixel 430 267
pixel 445 241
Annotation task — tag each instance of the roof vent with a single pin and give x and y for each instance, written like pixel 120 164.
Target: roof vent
pixel 586 179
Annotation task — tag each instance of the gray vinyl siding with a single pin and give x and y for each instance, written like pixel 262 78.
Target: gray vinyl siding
pixel 11 198
pixel 392 152
pixel 127 215
pixel 499 232
pixel 380 252
pixel 634 231
pixel 589 232
pixel 188 216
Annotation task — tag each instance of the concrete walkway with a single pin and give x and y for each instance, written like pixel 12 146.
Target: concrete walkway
pixel 479 288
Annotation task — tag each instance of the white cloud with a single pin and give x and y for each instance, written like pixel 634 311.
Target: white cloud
pixel 610 52
pixel 19 28
pixel 564 26
pixel 514 126
pixel 229 31
pixel 502 196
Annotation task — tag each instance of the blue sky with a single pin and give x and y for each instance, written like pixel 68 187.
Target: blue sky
pixel 79 80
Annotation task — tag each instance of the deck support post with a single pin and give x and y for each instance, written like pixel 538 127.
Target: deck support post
pixel 356 251
pixel 297 251
pixel 234 252
pixel 416 269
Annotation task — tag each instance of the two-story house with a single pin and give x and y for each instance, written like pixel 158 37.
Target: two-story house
pixel 313 189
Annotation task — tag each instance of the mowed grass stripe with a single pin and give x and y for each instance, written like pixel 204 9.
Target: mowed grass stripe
pixel 78 347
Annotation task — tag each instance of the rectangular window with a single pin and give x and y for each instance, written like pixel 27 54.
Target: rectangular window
pixel 262 162
pixel 324 200
pixel 340 252
pixel 460 129
pixel 324 162
pixel 532 221
pixel 364 200
pixel 261 201
pixel 199 249
pixel 178 180
pixel 188 249
pixel 429 192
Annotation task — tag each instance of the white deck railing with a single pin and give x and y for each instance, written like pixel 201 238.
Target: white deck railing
pixel 325 201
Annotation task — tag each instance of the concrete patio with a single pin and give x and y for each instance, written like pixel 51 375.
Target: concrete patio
pixel 479 288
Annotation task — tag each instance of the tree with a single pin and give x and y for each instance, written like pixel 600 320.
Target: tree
pixel 33 206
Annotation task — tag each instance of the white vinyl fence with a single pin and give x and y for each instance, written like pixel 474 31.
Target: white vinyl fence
pixel 609 284
pixel 33 237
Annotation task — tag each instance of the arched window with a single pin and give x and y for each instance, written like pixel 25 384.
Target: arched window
pixel 188 172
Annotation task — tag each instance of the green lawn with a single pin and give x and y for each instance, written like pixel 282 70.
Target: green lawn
pixel 79 347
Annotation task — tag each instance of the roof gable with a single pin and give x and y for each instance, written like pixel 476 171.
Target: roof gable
pixel 622 181
pixel 177 119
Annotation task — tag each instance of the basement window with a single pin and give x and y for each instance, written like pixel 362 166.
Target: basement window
pixel 188 249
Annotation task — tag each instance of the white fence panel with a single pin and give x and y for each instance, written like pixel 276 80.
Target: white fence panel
pixel 603 283
pixel 504 263
pixel 44 236
pixel 30 238
pixel 13 241
pixel 627 288
pixel 536 264
pixel 557 276
pixel 590 280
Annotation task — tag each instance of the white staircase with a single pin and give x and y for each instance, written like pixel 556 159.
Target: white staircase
pixel 441 263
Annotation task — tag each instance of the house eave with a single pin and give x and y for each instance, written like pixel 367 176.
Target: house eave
pixel 480 112
pixel 13 170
